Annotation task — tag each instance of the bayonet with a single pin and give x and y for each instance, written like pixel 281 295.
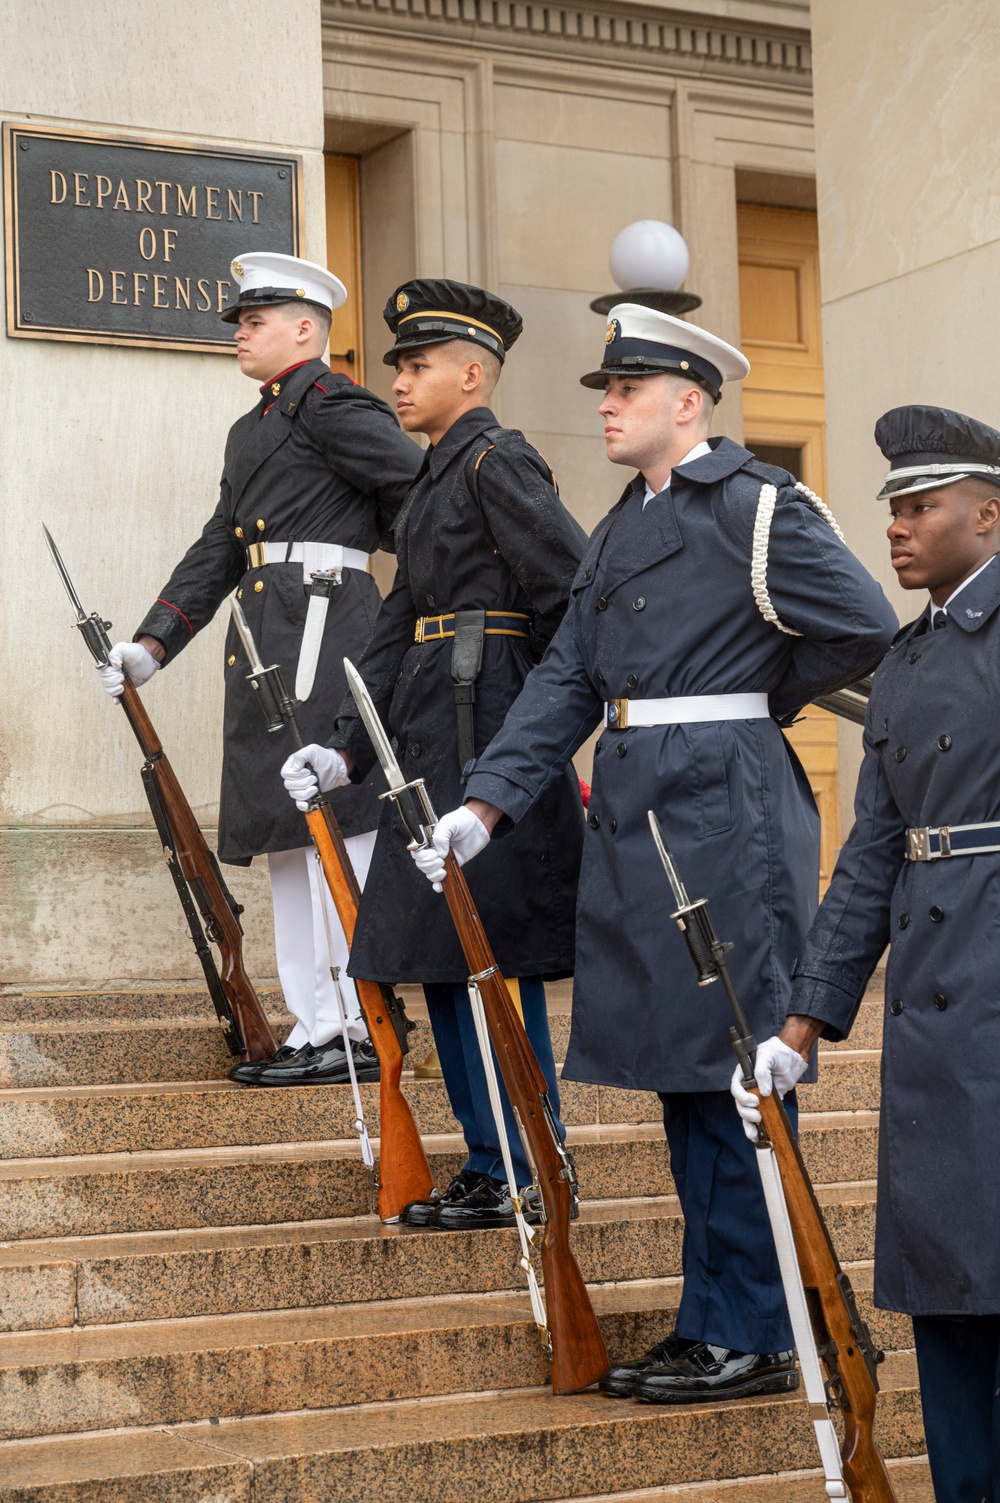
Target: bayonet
pixel 93 629
pixel 411 799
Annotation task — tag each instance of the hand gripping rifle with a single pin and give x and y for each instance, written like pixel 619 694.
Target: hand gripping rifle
pixel 404 1173
pixel 821 1303
pixel 191 864
pixel 579 1355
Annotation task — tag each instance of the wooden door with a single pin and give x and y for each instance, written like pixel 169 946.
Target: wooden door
pixel 784 420
pixel 343 257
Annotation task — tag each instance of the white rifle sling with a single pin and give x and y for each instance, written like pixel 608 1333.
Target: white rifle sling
pixel 367 1156
pixel 316 611
pixel 805 1341
pixel 525 1232
pixel 761 536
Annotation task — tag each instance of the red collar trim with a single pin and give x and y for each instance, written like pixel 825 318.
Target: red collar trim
pixel 281 375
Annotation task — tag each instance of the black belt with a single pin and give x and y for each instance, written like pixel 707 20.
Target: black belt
pixel 468 628
pixel 502 624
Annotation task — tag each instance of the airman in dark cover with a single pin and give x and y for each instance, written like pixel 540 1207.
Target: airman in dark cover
pixel 920 872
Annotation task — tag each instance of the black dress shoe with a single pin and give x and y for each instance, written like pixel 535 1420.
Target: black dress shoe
pixel 326 1065
pixel 488 1204
pixel 620 1379
pixel 426 1212
pixel 716 1372
pixel 249 1073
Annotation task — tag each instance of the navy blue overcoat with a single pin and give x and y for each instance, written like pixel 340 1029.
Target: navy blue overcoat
pixel 932 758
pixel 662 605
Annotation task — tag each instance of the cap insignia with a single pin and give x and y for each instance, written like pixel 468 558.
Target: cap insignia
pixel 611 331
pixel 402 302
pixel 300 292
pixel 276 389
pixel 236 267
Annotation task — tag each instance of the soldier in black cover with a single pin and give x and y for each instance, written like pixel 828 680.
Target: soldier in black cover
pixel 485 535
pixel 314 475
pixel 920 872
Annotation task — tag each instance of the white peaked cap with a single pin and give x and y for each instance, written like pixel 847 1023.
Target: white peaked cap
pixel 265 277
pixel 641 341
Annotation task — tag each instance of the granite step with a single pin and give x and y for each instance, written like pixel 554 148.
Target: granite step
pixel 99 1038
pixel 87 1195
pixel 59 1120
pixel 524 1445
pixel 910 1477
pixel 169 1372
pixel 101 1280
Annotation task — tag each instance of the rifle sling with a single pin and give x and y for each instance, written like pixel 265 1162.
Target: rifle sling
pixel 466 661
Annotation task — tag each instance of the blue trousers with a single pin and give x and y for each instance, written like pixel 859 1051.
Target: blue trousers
pixel 959 1363
pixel 733 1295
pixel 465 1080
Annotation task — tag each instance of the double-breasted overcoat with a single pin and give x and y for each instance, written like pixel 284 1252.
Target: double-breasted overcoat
pixel 663 606
pixel 495 538
pixel 318 460
pixel 932 758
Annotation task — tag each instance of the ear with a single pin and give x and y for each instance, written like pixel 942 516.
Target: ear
pixel 472 376
pixel 988 515
pixel 690 407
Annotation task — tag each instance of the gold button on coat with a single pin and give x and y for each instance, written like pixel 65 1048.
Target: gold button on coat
pixel 231 659
pixel 259 586
pixel 261 524
pixel 239 594
pixel 239 532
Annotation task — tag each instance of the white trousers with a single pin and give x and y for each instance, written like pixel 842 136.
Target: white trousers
pixel 298 893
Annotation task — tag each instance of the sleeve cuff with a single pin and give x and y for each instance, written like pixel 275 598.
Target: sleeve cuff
pixel 499 791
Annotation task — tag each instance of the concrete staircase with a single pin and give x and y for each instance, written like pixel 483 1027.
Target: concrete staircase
pixel 196 1303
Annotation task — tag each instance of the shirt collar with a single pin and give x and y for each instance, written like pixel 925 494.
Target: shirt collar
pixel 699 450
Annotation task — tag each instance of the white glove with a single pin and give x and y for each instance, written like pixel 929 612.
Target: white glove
pixel 303 768
pixel 126 657
pixel 777 1065
pixel 461 832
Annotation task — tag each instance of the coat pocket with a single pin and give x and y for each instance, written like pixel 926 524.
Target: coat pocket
pixel 711 778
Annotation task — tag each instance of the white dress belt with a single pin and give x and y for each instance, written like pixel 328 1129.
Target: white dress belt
pixel 312 556
pixel 623 714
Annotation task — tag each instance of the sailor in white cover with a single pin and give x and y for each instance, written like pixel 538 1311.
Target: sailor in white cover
pixel 714 602
pixel 314 476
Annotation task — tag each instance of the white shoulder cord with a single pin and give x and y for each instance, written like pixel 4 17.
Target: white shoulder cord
pixel 525 1232
pixel 761 535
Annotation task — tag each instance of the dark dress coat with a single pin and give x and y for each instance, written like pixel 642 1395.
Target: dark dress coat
pixel 662 606
pixel 514 548
pixel 932 757
pixel 321 461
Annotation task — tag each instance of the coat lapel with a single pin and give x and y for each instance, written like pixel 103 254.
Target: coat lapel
pixel 637 539
pixel 254 438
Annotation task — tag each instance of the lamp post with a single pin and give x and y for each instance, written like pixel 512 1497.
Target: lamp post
pixel 649 260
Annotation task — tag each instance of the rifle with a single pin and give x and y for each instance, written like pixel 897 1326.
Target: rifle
pixel 850 702
pixel 193 867
pixel 818 1286
pixel 404 1173
pixel 577 1347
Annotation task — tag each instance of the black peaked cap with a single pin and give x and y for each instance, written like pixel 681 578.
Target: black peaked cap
pixel 910 435
pixel 429 311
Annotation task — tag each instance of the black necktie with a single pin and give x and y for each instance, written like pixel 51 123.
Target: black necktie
pixel 940 620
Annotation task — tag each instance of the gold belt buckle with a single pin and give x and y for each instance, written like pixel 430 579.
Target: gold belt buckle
pixel 617 717
pixel 418 630
pixel 256 555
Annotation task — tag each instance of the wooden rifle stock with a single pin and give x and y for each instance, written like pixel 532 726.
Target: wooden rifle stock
pixel 842 1339
pixel 579 1355
pixel 403 1171
pixel 201 874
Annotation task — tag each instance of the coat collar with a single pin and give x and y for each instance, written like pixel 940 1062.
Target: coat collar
pixel 725 459
pixel 974 606
pixel 461 433
pixel 257 439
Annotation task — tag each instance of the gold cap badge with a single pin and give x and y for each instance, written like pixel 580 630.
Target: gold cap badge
pixel 402 302
pixel 611 331
pixel 236 267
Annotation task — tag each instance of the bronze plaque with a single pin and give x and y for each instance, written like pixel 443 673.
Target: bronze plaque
pixel 116 240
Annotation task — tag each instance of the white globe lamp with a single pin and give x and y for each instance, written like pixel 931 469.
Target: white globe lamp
pixel 649 261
